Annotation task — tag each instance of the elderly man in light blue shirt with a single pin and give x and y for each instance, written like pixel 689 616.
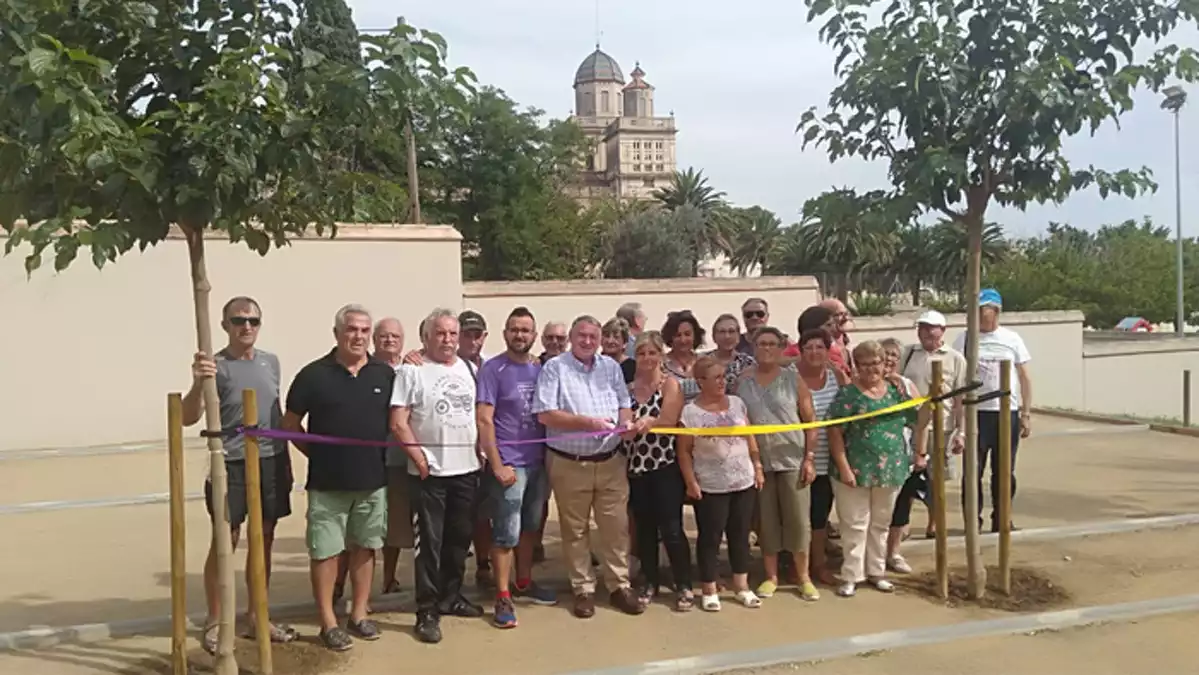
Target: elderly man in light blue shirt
pixel 577 392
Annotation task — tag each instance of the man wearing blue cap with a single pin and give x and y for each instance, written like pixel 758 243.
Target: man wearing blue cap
pixel 995 345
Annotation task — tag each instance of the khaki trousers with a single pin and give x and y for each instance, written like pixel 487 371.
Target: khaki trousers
pixel 864 515
pixel 581 489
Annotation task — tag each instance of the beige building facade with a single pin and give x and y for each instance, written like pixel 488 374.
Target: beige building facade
pixel 633 147
pixel 89 355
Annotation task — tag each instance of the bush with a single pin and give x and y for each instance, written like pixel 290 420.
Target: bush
pixel 871 305
pixel 944 305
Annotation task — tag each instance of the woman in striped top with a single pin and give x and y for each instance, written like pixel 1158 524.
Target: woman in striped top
pixel 824 381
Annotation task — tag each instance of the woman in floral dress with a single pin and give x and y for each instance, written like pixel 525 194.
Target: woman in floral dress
pixel 870 462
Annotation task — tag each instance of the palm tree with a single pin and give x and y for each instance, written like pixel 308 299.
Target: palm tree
pixel 691 188
pixel 950 246
pixel 752 235
pixel 849 231
pixel 915 261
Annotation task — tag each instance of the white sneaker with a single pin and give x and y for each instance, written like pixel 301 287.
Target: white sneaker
pixel 896 563
pixel 882 585
pixel 847 590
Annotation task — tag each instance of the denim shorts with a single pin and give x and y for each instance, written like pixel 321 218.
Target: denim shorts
pixel 517 508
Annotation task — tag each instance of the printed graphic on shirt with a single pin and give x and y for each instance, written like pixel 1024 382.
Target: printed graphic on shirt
pixel 454 401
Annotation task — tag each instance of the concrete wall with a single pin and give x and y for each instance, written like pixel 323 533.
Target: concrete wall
pixel 706 298
pixel 1139 377
pixel 1054 339
pixel 89 355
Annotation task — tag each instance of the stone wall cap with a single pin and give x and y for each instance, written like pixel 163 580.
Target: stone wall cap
pixel 750 286
pixel 355 231
pixel 1011 319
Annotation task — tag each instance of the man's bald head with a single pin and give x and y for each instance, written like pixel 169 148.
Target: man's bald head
pixel 840 314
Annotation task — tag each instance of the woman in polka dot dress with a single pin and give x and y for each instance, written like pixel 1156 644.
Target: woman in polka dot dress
pixel 656 489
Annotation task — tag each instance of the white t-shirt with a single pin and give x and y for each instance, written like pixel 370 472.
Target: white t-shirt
pixel 442 403
pixel 1001 344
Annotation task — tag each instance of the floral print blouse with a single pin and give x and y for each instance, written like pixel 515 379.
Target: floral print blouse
pixel 874 448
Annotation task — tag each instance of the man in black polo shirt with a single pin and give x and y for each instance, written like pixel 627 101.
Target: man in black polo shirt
pixel 346 394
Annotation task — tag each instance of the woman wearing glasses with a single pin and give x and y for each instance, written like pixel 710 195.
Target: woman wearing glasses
pixel 870 462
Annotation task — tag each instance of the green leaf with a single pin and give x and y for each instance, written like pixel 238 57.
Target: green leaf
pixel 41 60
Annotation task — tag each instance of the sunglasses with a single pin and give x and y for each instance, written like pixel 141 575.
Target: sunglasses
pixel 755 314
pixel 243 320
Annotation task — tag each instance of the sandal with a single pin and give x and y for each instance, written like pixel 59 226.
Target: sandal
pixel 767 588
pixel 710 603
pixel 210 637
pixel 684 602
pixel 646 596
pixel 365 629
pixel 336 639
pixel 280 633
pixel 748 599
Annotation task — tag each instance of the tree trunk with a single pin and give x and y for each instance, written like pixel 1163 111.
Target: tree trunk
pixel 226 662
pixel 843 287
pixel 916 292
pixel 413 182
pixel 970 501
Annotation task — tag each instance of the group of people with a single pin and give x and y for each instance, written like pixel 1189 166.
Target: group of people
pixel 447 450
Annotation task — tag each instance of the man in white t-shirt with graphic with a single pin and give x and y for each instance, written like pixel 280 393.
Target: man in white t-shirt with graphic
pixel 995 345
pixel 433 413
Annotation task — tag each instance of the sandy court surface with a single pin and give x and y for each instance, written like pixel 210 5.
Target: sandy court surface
pixel 1161 645
pixel 109 564
pixel 1093 571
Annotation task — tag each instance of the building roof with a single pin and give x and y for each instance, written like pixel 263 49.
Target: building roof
pixel 598 67
pixel 638 81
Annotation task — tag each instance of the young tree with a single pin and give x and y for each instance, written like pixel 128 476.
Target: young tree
pixel 122 119
pixel 969 103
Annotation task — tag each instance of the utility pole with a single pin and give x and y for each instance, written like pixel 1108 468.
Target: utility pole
pixel 1176 98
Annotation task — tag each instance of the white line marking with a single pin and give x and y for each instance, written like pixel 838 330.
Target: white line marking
pixel 858 644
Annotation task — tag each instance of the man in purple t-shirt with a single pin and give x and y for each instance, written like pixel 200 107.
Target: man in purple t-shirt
pixel 518 483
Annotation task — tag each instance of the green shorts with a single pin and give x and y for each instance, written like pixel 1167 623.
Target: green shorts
pixel 338 518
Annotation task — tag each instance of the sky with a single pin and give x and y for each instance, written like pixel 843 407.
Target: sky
pixel 739 74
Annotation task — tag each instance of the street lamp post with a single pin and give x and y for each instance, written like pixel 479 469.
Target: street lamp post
pixel 1176 97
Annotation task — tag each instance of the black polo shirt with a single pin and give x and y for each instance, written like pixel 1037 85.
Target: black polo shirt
pixel 340 404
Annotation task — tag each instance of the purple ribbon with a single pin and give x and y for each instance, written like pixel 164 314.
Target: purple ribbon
pixel 302 437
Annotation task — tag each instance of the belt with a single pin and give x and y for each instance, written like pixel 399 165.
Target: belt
pixel 599 457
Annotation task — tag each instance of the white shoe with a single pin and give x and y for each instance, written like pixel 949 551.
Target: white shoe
pixel 882 585
pixel 897 563
pixel 847 590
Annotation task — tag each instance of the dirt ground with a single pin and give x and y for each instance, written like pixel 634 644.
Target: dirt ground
pixel 1092 571
pixel 1161 645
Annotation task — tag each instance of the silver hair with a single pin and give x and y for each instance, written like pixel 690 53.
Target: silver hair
pixel 430 322
pixel 385 319
pixel 630 312
pixel 588 319
pixel 339 319
pixel 551 324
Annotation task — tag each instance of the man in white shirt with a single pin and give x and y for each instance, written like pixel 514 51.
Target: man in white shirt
pixel 995 345
pixel 433 414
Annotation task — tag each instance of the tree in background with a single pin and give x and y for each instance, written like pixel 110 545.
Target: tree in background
pixel 505 177
pixel 752 236
pixel 120 120
pixel 851 232
pixel 950 247
pixel 969 103
pixel 653 244
pixel 691 188
pixel 327 27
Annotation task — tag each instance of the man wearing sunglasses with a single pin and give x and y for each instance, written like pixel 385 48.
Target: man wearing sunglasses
pixel 239 366
pixel 756 313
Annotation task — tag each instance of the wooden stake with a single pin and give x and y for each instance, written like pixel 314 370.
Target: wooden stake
pixel 971 503
pixel 257 557
pixel 178 535
pixel 1004 471
pixel 937 460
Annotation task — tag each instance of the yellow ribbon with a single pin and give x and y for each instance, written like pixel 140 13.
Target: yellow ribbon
pixel 779 428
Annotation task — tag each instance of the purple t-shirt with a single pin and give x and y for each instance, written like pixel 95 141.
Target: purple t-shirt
pixel 510 386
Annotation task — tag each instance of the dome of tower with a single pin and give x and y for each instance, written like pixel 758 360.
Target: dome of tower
pixel 598 67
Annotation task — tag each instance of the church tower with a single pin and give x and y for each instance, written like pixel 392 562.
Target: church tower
pixel 634 150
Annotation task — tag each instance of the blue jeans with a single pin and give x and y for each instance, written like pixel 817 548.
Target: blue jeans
pixel 517 509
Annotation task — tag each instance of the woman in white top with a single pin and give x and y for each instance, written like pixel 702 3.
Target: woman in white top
pixel 723 475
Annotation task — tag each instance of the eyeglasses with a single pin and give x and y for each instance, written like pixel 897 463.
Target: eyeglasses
pixel 243 320
pixel 768 345
pixel 554 338
pixel 754 314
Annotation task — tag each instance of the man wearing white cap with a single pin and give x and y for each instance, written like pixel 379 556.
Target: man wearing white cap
pixel 916 364
pixel 995 345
